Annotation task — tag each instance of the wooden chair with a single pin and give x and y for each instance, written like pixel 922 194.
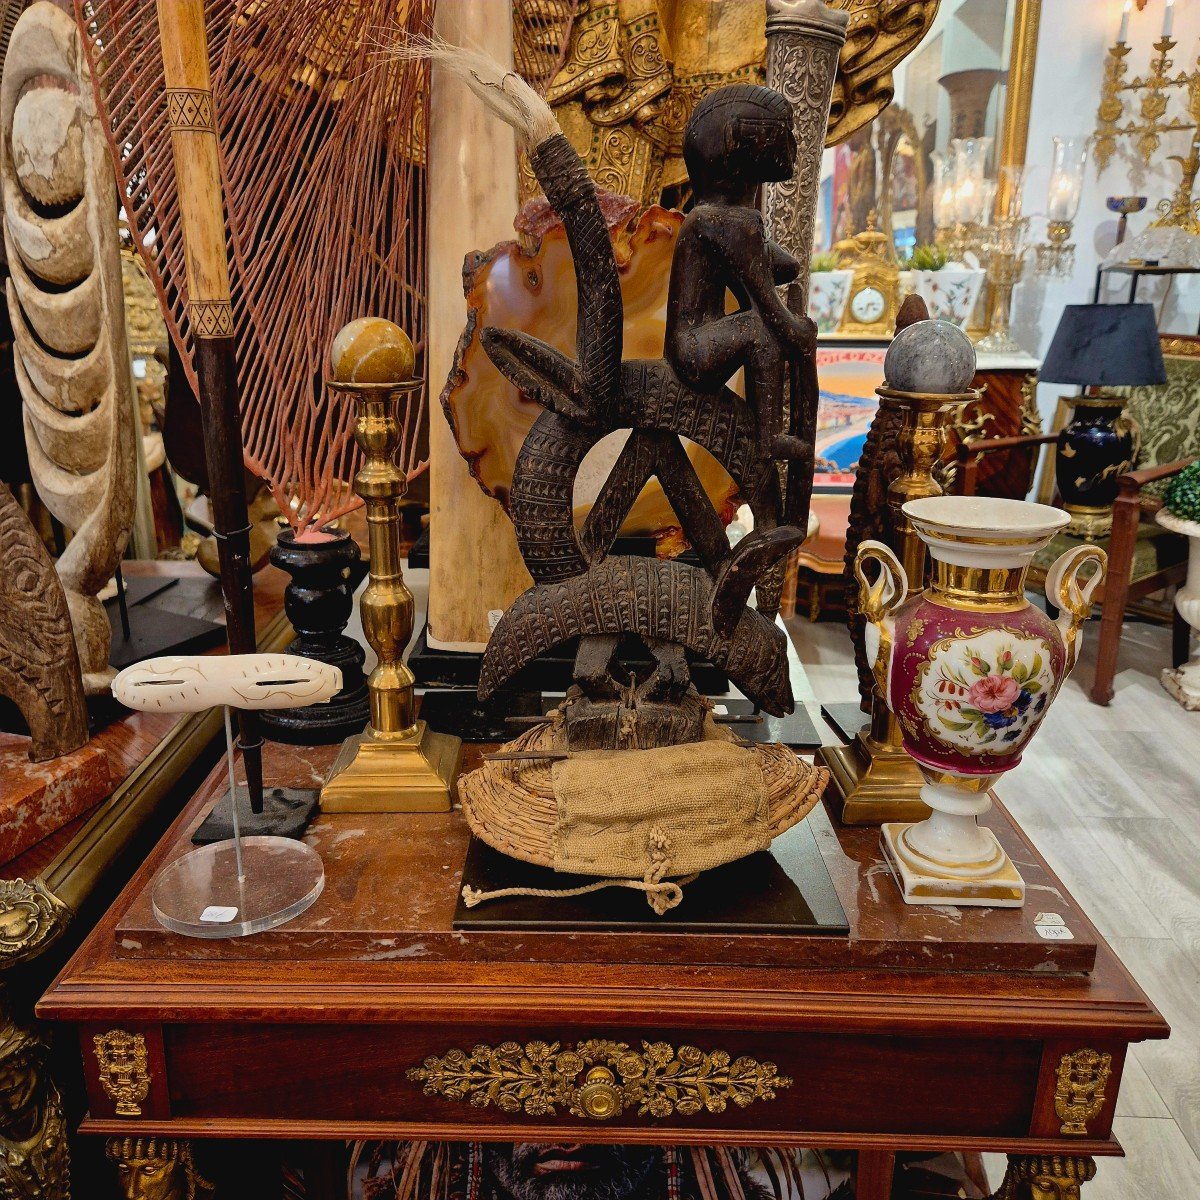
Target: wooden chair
pixel 1143 558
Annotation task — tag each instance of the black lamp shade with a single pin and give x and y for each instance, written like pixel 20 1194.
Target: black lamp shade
pixel 1105 345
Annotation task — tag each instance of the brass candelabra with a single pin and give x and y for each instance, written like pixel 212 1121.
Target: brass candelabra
pixel 1155 117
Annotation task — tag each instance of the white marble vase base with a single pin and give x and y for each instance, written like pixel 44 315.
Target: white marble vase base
pixel 1184 684
pixel 991 881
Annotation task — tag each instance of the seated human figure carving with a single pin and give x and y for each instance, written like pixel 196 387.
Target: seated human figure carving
pixel 737 139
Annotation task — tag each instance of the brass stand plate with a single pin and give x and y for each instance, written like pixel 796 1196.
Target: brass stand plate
pixel 873 787
pixel 1090 521
pixel 406 775
pixel 1002 888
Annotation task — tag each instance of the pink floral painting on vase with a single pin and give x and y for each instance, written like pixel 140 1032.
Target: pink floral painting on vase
pixel 987 692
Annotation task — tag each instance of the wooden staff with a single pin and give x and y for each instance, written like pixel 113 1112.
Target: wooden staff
pixel 210 314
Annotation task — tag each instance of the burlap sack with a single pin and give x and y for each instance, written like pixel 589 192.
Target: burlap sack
pixel 679 809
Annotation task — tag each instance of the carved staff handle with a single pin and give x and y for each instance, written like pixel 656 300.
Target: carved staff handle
pixel 210 315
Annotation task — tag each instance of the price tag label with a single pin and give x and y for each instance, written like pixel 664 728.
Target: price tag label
pixel 720 710
pixel 1055 933
pixel 1052 928
pixel 218 914
pixel 494 615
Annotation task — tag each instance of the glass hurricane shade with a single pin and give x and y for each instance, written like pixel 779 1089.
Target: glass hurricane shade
pixel 1066 177
pixel 1105 345
pixel 970 161
pixel 943 190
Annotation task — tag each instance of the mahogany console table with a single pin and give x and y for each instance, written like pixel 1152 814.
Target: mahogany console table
pixel 370 1017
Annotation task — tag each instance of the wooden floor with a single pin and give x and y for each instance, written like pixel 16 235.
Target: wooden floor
pixel 1111 796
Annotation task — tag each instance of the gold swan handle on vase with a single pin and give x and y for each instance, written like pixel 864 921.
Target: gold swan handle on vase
pixel 878 602
pixel 1073 597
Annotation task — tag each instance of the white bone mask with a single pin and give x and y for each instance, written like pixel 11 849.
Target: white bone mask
pixel 192 683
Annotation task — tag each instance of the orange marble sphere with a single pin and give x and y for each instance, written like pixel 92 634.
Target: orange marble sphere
pixel 371 350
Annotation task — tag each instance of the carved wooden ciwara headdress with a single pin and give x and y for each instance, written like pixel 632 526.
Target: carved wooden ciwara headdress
pixel 322 151
pixel 580 589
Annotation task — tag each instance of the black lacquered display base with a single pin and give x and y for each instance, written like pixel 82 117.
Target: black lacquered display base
pixel 795 730
pixel 845 719
pixel 783 890
pixel 459 712
pixel 550 672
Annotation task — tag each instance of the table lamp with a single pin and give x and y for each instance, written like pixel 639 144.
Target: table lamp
pixel 1100 346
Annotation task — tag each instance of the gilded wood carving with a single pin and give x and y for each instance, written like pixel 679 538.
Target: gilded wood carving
pixel 67 310
pixel 880 35
pixel 599 1079
pixel 624 79
pixel 35 1162
pixel 34 1156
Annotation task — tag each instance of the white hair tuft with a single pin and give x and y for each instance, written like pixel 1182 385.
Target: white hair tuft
pixel 502 91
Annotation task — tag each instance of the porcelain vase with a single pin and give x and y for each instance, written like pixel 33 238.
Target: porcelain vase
pixel 1184 682
pixel 828 292
pixel 970 667
pixel 1098 444
pixel 950 293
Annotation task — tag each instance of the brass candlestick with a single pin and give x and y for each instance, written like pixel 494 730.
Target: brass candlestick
pixel 397 764
pixel 874 776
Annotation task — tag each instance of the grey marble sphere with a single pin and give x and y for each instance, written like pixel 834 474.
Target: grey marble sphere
pixel 930 356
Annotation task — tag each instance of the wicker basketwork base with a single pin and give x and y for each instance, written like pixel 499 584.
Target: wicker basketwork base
pixel 510 804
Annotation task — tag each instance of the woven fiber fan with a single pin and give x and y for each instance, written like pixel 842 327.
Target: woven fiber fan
pixel 321 145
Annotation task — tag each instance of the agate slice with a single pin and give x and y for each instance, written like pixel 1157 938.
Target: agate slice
pixel 530 285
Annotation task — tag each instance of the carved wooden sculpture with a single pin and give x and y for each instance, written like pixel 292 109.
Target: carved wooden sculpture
pixel 39 666
pixel 66 306
pixel 737 139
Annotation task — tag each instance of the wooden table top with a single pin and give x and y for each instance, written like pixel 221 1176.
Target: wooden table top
pixel 380 938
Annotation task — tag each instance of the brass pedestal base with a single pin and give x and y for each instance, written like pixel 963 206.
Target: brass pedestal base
pixel 1090 521
pixel 397 775
pixel 994 883
pixel 874 782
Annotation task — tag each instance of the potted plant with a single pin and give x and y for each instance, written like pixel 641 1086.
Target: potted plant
pixel 1181 514
pixel 828 291
pixel 950 289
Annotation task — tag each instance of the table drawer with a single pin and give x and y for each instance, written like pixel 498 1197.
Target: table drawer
pixel 583 1079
